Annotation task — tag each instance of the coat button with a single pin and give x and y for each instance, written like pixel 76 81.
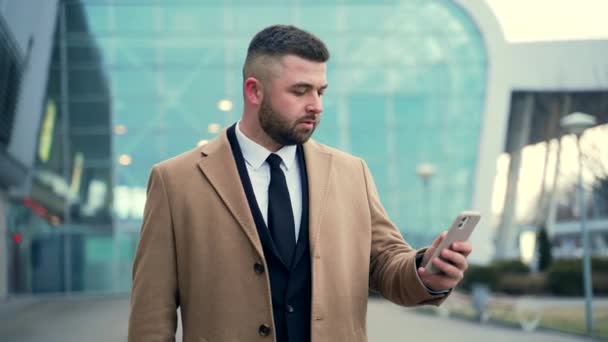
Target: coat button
pixel 258 268
pixel 264 330
pixel 289 308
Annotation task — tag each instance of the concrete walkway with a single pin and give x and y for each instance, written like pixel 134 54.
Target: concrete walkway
pixel 388 322
pixel 105 319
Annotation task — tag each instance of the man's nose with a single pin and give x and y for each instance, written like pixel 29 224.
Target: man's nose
pixel 316 105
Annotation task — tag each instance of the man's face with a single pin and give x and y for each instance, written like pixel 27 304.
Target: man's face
pixel 292 105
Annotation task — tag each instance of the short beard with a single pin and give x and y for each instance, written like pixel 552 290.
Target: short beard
pixel 279 129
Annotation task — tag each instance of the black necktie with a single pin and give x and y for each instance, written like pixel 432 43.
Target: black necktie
pixel 280 214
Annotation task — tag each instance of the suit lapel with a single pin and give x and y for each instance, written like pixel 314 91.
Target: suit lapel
pixel 219 167
pixel 303 245
pixel 318 167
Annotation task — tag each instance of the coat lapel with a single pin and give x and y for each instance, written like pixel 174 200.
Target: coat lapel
pixel 218 165
pixel 318 166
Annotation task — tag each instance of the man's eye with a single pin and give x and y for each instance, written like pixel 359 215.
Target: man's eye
pixel 299 92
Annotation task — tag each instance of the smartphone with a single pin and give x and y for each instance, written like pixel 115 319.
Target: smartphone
pixel 460 230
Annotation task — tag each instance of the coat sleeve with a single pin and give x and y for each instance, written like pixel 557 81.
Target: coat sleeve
pixel 154 296
pixel 392 260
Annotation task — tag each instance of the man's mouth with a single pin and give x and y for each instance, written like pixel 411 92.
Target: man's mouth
pixel 308 124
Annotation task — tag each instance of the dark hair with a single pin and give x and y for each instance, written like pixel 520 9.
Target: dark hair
pixel 280 40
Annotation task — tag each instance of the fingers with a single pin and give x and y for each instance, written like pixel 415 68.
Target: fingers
pixel 463 248
pixel 448 277
pixel 452 264
pixel 448 269
pixel 455 259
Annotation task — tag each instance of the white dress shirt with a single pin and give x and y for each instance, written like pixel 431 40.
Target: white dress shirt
pixel 259 173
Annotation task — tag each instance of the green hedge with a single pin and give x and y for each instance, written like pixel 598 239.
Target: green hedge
pixel 490 275
pixel 511 266
pixel 563 278
pixel 479 274
pixel 522 284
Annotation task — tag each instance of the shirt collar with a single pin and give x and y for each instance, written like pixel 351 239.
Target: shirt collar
pixel 255 154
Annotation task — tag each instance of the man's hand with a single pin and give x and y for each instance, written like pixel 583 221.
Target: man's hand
pixel 452 263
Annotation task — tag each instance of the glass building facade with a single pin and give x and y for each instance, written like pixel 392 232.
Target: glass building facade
pixel 135 82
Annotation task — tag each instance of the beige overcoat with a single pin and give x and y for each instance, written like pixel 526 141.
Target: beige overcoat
pixel 199 248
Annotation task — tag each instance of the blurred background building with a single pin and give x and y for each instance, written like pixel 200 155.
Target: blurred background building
pixel 450 112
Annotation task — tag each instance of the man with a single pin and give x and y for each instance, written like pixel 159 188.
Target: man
pixel 265 235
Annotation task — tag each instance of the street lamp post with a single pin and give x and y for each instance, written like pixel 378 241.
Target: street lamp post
pixel 576 123
pixel 426 171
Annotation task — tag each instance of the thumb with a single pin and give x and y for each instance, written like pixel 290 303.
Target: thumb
pixel 439 239
pixel 431 249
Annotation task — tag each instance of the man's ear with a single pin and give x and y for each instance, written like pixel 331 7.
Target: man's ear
pixel 253 90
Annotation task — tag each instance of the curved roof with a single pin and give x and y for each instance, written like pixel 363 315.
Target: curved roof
pixel 547 20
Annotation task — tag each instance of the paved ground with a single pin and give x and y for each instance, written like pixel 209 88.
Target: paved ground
pixel 388 322
pixel 92 320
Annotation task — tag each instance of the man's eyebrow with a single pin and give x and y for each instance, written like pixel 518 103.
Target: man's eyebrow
pixel 307 85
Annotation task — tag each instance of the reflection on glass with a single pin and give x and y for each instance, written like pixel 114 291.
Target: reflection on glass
pixel 213 128
pixel 224 105
pixel 46 132
pixel 124 160
pixel 120 129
